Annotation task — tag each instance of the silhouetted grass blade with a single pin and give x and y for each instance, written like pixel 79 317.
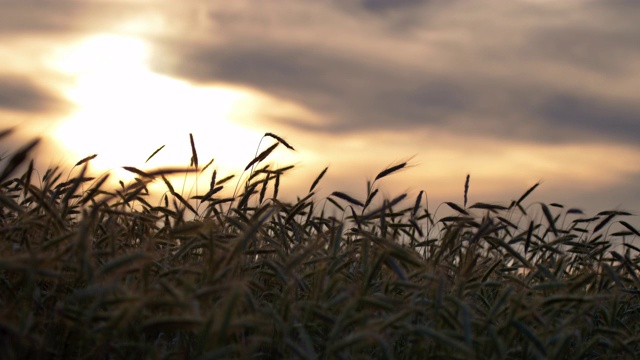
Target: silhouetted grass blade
pixel 185 203
pixel 485 229
pixel 335 203
pixel 416 206
pixel 6 132
pixel 550 219
pixel 168 171
pixel 194 154
pixel 387 205
pixel 527 193
pixel 631 228
pixel 276 186
pixel 74 187
pixel 614 212
pixel 466 189
pixel 346 197
pixel 281 140
pixel 356 218
pixel 212 183
pixel 317 180
pixel 88 158
pixel 632 247
pixel 263 190
pixel 457 208
pixel 527 242
pixel 390 170
pixel 208 164
pixel 370 198
pixel 169 186
pixel 225 179
pixel 490 207
pixel 9 203
pixel 298 208
pixel 512 251
pixel 604 222
pixel 507 222
pixel 249 191
pixel 154 153
pixel 26 178
pixel 137 172
pixel 263 155
pixel 17 159
pixel 210 193
pixel 93 190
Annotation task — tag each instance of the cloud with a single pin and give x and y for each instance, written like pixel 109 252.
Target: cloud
pixel 382 5
pixel 580 115
pixel 508 91
pixel 22 94
pixel 66 17
pixel 514 70
pixel 19 18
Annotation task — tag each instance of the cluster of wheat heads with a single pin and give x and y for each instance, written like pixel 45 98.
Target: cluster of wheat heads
pixel 90 272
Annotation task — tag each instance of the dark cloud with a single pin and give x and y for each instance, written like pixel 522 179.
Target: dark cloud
pixel 385 5
pixel 483 78
pixel 355 93
pixel 606 52
pixel 617 122
pixel 334 85
pixel 600 38
pixel 64 17
pixel 24 95
pixel 37 17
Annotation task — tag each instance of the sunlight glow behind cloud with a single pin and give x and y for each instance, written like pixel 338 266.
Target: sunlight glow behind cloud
pixel 125 111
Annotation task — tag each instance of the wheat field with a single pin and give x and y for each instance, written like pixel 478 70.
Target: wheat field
pixel 92 272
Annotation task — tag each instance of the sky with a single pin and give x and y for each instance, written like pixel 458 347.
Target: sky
pixel 511 92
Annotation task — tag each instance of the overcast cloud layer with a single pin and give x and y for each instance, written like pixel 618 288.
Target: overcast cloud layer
pixel 555 74
pixel 540 71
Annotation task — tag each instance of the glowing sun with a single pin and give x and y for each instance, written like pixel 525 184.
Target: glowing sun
pixel 125 111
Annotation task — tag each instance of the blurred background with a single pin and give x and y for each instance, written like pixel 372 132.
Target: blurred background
pixel 511 92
